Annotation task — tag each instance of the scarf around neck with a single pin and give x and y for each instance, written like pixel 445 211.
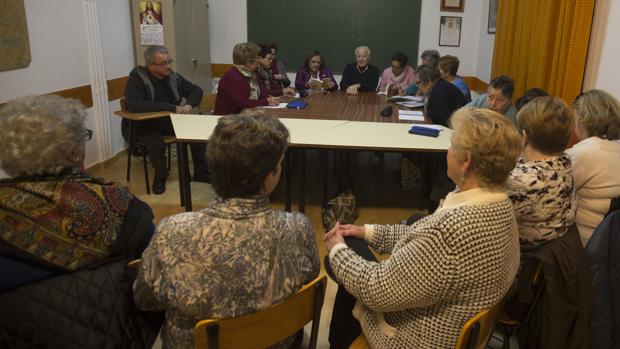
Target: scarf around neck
pixel 249 75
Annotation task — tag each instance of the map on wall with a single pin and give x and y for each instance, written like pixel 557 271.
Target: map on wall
pixel 14 43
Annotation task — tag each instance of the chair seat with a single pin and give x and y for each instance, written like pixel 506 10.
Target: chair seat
pixel 360 343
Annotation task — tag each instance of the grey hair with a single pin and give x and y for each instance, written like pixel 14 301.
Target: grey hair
pixel 39 133
pixel 149 53
pixel 363 48
pixel 430 54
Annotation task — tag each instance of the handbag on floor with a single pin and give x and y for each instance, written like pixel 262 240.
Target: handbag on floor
pixel 341 209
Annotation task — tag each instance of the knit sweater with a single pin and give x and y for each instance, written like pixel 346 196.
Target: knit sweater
pixel 442 270
pixel 596 164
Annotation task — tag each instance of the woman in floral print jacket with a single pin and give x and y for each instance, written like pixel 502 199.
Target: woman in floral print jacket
pixel 238 255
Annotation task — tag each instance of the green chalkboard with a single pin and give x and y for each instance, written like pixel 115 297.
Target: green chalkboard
pixel 335 28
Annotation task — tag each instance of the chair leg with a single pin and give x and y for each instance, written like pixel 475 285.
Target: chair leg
pixel 128 163
pixel 169 156
pixel 506 334
pixel 146 171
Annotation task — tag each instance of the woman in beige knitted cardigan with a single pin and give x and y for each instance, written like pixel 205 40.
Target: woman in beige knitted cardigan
pixel 446 267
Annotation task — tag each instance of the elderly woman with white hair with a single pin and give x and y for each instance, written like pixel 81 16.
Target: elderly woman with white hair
pixel 360 76
pixel 444 268
pixel 65 236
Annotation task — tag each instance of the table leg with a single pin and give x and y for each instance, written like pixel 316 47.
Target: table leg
pixel 184 181
pixel 130 147
pixel 180 174
pixel 325 160
pixel 287 181
pixel 302 180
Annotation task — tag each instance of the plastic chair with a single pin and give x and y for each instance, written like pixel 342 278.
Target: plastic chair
pixel 269 326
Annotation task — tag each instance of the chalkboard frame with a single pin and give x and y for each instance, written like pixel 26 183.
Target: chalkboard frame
pixel 335 28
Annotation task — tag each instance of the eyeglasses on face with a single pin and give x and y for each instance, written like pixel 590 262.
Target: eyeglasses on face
pixel 88 135
pixel 164 63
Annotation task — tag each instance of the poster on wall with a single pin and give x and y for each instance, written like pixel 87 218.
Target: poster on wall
pixel 450 31
pixel 14 43
pixel 151 23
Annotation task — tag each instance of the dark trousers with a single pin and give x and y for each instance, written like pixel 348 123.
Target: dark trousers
pixel 344 328
pixel 151 133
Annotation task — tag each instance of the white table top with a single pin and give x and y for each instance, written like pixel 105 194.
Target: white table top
pixel 327 133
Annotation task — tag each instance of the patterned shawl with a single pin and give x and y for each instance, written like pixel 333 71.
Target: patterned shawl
pixel 254 90
pixel 69 221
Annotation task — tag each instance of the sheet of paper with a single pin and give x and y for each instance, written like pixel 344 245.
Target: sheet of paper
pixel 407 98
pixel 411 104
pixel 279 106
pixel 411 115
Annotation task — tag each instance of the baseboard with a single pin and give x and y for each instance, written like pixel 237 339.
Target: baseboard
pixel 105 163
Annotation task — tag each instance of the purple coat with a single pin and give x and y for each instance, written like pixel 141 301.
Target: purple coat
pixel 303 75
pixel 233 94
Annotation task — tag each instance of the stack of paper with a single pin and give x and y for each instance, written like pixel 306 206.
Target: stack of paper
pixel 411 115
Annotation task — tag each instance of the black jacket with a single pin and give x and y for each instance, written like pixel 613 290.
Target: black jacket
pixel 368 80
pixel 89 308
pixel 560 318
pixel 444 99
pixel 603 253
pixel 139 92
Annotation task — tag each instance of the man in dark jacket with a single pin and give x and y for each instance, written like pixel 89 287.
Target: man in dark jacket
pixel 155 87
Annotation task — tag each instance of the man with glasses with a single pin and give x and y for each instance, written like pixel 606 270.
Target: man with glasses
pixel 155 87
pixel 498 98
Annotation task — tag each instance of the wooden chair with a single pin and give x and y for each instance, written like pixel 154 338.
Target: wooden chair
pixel 135 263
pixel 475 333
pixel 475 84
pixel 207 104
pixel 137 117
pixel 508 324
pixel 267 327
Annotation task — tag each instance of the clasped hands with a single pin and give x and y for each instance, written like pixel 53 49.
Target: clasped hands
pixel 353 89
pixel 184 109
pixel 339 231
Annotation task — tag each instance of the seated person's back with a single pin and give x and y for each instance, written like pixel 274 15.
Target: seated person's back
pixel 541 185
pixel 238 255
pixel 595 158
pixel 59 223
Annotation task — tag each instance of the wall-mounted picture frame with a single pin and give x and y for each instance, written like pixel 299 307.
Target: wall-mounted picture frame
pixel 492 16
pixel 452 5
pixel 450 31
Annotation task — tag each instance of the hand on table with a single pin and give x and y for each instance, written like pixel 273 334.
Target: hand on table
pixel 273 100
pixel 353 89
pixel 184 109
pixel 288 91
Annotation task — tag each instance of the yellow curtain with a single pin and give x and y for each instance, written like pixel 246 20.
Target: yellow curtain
pixel 543 44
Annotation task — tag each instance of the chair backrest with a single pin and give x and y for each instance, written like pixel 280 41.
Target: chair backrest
pixel 123 104
pixel 477 331
pixel 135 263
pixel 269 326
pixel 207 104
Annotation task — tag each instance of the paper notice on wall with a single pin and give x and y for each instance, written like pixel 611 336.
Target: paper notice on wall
pixel 151 23
pixel 151 34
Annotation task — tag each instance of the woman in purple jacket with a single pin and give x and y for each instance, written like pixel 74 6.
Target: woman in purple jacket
pixel 238 88
pixel 314 74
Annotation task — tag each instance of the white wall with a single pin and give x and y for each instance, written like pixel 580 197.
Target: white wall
pixel 603 65
pixel 60 59
pixel 475 52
